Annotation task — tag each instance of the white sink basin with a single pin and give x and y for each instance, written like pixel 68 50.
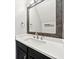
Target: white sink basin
pixel 35 41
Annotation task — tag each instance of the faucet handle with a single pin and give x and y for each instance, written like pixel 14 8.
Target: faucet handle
pixel 34 36
pixel 41 38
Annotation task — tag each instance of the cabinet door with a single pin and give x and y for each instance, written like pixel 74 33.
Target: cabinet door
pixel 36 55
pixel 17 52
pixel 21 54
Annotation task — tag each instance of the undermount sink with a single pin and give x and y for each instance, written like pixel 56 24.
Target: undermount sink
pixel 32 40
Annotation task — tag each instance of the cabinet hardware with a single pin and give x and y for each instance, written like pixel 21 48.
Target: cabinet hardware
pixel 25 57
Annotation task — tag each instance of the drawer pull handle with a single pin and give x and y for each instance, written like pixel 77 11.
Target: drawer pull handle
pixel 25 57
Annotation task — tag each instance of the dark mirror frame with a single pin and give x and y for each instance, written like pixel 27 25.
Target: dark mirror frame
pixel 59 21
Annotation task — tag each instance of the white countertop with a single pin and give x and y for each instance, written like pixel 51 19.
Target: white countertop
pixel 54 47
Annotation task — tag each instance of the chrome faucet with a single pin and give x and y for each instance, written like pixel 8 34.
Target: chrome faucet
pixel 36 35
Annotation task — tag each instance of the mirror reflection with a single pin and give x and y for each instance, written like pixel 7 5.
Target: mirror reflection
pixel 42 16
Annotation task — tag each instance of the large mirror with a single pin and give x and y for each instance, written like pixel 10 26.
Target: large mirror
pixel 45 17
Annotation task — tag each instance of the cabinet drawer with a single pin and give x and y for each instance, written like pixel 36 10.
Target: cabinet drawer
pixel 36 54
pixel 21 46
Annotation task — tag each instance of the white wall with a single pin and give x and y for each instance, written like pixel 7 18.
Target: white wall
pixel 20 16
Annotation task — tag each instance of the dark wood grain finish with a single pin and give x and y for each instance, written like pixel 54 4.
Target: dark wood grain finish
pixel 59 21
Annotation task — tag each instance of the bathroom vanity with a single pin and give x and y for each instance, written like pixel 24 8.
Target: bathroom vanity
pixel 29 48
pixel 25 52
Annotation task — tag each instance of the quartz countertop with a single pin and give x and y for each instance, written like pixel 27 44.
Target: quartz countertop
pixel 53 48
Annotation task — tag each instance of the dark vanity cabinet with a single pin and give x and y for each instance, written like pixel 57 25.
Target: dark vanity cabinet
pixel 21 51
pixel 25 52
pixel 21 54
pixel 36 55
